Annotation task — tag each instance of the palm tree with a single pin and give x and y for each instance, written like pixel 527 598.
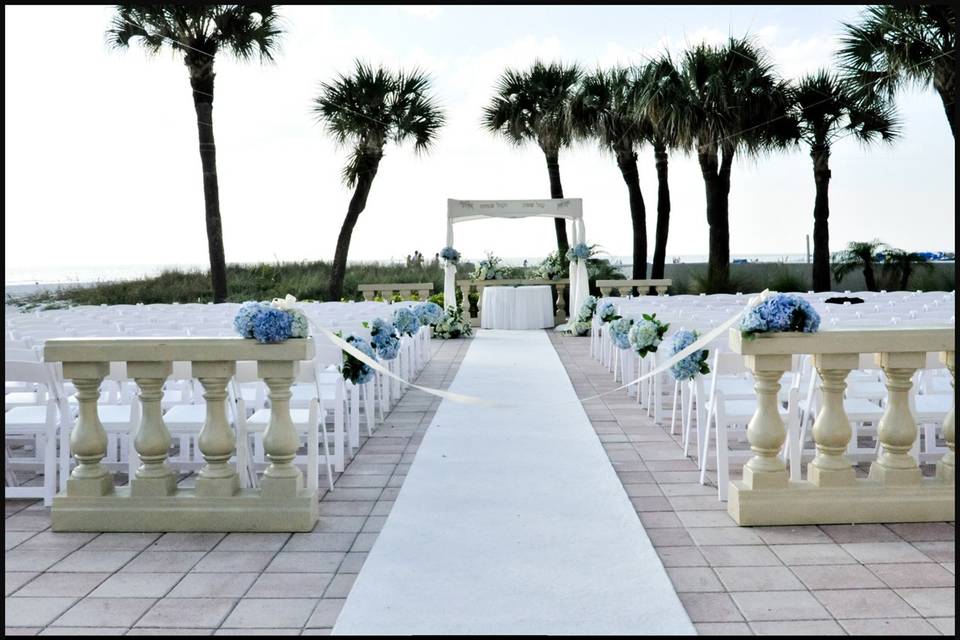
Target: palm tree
pixel 603 108
pixel 896 46
pixel 366 110
pixel 733 102
pixel 199 33
pixel 858 255
pixel 826 107
pixel 532 106
pixel 661 92
pixel 898 266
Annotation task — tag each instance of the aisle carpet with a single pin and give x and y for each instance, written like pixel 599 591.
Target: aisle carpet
pixel 512 520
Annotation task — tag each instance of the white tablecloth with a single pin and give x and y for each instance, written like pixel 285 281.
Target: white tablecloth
pixel 516 308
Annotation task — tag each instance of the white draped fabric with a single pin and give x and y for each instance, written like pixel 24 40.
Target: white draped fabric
pixel 516 308
pixel 569 208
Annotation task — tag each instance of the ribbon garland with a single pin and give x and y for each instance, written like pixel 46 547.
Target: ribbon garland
pixel 477 401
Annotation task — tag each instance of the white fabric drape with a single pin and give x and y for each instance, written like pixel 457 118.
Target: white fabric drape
pixel 529 307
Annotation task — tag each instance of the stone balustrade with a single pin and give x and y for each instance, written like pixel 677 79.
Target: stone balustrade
pixel 623 287
pixel 152 501
pixel 895 489
pixel 420 290
pixel 560 286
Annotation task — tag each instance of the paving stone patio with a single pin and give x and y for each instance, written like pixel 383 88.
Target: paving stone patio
pixel 838 579
pixel 866 579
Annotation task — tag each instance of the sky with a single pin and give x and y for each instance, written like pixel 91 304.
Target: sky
pixel 102 166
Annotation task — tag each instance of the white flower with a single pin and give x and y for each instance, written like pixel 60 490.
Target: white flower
pixel 284 304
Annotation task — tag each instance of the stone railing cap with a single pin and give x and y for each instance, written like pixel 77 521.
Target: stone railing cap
pixel 847 340
pixel 199 349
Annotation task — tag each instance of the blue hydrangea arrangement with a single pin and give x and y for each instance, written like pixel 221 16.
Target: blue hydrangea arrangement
pixel 646 334
pixel 578 251
pixel 243 321
pixel 607 312
pixel 780 312
pixel 300 326
pixel 450 254
pixel 428 313
pixel 272 325
pixel 406 321
pixel 452 325
pixel 587 308
pixel 693 364
pixel 353 370
pixel 384 339
pixel 489 269
pixel 619 332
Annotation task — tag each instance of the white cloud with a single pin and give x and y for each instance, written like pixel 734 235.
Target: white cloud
pixel 429 11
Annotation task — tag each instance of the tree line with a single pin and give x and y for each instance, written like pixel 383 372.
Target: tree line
pixel 717 101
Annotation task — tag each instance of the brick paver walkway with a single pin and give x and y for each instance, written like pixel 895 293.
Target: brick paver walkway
pixel 804 580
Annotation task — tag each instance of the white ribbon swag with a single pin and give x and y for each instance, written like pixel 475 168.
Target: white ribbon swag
pixel 460 398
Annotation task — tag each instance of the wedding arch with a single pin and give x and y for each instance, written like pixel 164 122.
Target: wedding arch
pixel 568 208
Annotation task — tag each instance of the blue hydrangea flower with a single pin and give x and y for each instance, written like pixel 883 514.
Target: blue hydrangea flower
pixel 450 255
pixel 643 335
pixel 406 321
pixel 619 332
pixel 243 321
pixel 607 311
pixel 586 309
pixel 272 325
pixel 300 326
pixel 428 313
pixel 780 312
pixel 353 370
pixel 578 251
pixel 385 339
pixel 693 364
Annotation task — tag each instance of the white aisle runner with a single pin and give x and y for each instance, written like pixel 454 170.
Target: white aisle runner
pixel 512 520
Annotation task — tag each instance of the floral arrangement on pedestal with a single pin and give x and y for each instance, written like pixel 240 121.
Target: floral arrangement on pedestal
pixel 271 322
pixel 552 267
pixel 579 251
pixel 693 364
pixel 352 369
pixel 620 332
pixel 406 321
pixel 581 326
pixel 607 312
pixel 428 313
pixel 780 312
pixel 452 325
pixel 450 255
pixel 384 338
pixel 490 269
pixel 646 334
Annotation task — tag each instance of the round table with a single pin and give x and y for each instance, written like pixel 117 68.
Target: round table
pixel 529 307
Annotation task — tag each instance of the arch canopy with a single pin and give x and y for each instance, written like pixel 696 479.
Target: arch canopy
pixel 463 210
pixel 566 208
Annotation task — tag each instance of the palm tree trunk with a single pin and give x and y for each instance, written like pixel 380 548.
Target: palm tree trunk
pixel 627 161
pixel 821 213
pixel 663 211
pixel 358 203
pixel 868 277
pixel 201 80
pixel 556 191
pixel 950 107
pixel 716 177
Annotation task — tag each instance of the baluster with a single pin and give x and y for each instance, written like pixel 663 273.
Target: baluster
pixel 661 290
pixel 765 431
pixel 479 301
pixel 152 442
pixel 217 441
pixel 280 441
pixel 363 294
pixel 897 429
pixel 561 316
pixel 465 301
pixel 946 466
pixel 831 430
pixel 88 442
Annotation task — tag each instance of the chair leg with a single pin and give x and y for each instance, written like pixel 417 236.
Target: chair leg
pixel 673 411
pixel 49 466
pixel 723 464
